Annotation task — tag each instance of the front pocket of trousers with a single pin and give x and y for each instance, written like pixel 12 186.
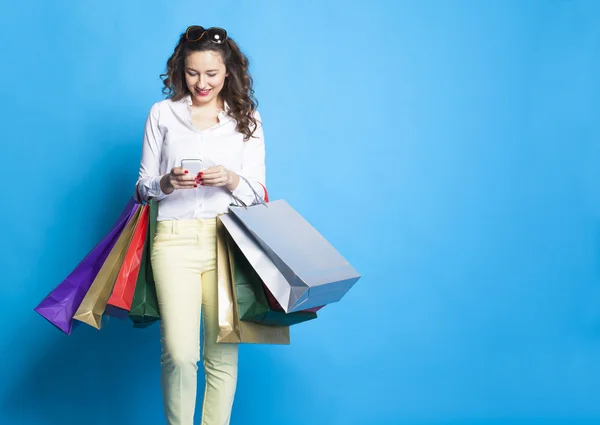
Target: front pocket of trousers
pixel 172 247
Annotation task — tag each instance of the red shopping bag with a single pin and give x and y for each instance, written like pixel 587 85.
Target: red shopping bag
pixel 122 293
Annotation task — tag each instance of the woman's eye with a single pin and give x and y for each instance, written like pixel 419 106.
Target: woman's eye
pixel 211 75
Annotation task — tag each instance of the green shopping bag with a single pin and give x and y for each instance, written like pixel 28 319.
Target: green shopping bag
pixel 253 304
pixel 144 307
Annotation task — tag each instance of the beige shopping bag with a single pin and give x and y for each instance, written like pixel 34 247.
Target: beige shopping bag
pixel 94 303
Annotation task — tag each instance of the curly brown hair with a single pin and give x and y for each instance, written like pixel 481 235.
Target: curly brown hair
pixel 237 90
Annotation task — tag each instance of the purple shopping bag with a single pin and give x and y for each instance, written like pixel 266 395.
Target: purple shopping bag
pixel 62 303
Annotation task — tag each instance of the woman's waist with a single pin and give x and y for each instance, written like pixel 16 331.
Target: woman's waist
pixel 187 223
pixel 183 207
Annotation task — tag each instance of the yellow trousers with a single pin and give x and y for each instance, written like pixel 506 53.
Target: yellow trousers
pixel 184 266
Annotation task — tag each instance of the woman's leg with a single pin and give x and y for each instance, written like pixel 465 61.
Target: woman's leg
pixel 220 360
pixel 177 261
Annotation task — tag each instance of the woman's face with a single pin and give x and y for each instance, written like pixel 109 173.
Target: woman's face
pixel 204 75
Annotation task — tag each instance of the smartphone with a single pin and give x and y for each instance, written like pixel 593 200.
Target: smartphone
pixel 194 166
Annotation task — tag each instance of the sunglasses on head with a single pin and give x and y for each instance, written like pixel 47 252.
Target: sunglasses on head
pixel 196 32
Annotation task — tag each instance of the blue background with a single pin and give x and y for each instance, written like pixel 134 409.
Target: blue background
pixel 449 149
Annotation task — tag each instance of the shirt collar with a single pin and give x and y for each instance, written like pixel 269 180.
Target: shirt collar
pixel 223 115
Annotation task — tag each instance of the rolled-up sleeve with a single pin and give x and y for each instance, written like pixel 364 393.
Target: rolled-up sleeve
pixel 253 167
pixel 148 183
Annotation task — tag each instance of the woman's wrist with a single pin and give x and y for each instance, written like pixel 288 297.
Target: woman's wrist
pixel 233 180
pixel 165 184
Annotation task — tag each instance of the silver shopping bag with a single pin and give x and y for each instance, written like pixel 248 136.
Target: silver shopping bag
pixel 298 265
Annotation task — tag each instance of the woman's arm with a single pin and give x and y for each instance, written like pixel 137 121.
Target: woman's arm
pixel 150 183
pixel 253 168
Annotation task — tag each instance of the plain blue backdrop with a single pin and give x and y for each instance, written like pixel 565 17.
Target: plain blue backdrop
pixel 449 149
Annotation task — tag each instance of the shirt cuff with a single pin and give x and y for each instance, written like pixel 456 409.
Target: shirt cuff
pixel 244 192
pixel 157 192
pixel 150 188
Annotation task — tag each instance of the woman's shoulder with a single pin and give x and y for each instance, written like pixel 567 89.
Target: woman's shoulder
pixel 162 104
pixel 257 117
pixel 163 107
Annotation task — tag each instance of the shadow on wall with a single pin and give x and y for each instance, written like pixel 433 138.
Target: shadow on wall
pixel 112 376
pixel 89 377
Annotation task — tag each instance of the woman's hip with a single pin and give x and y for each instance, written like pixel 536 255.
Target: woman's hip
pixel 185 243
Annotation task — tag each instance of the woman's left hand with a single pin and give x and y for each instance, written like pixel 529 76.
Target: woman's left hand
pixel 218 176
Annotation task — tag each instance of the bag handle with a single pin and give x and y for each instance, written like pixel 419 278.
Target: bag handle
pixel 266 193
pixel 257 198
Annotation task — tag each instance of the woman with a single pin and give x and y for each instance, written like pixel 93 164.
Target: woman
pixel 210 114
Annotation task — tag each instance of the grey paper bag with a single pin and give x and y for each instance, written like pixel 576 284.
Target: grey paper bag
pixel 312 272
pixel 231 328
pixel 260 261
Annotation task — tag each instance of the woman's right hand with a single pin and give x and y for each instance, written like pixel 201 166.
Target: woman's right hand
pixel 178 178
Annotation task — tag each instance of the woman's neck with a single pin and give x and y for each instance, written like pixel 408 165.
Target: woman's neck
pixel 216 104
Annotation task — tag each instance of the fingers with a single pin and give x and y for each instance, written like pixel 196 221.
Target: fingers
pixel 181 179
pixel 220 180
pixel 214 176
pixel 178 171
pixel 214 171
pixel 185 185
